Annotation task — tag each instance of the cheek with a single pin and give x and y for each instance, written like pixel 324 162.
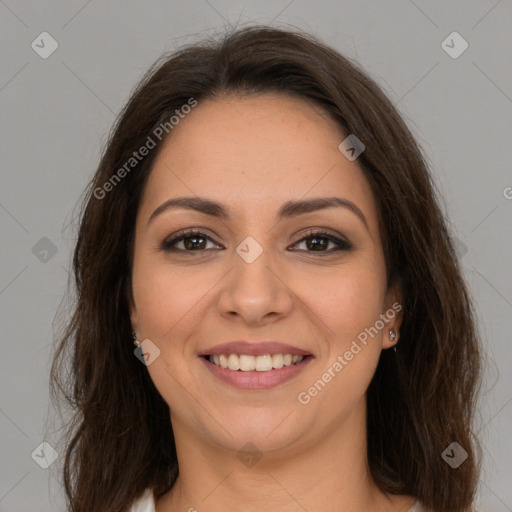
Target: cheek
pixel 169 306
pixel 348 299
pixel 165 295
pixel 350 306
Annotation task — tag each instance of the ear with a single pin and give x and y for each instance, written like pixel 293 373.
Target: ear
pixel 393 312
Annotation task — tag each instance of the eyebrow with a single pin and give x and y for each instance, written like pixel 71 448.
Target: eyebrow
pixel 288 210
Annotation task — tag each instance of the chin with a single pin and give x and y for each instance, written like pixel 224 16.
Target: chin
pixel 259 429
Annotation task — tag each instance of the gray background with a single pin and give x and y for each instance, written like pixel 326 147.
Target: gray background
pixel 57 111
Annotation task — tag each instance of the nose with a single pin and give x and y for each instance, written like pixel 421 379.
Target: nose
pixel 255 293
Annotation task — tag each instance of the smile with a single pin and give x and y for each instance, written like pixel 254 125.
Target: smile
pixel 255 372
pixel 247 363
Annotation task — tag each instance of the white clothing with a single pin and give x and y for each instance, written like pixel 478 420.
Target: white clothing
pixel 146 503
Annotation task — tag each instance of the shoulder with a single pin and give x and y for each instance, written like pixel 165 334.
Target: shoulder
pixel 145 503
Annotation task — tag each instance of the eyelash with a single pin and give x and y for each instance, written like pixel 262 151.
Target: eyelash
pixel 168 245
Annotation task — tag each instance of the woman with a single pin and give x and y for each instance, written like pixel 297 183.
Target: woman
pixel 264 225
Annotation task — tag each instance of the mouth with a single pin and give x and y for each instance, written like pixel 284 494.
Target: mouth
pixel 261 372
pixel 249 363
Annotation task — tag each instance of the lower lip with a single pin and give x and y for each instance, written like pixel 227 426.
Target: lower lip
pixel 254 379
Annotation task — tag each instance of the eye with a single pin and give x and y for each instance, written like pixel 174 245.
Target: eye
pixel 196 241
pixel 188 241
pixel 318 241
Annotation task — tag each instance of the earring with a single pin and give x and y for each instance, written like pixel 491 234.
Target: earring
pixel 392 337
pixel 136 342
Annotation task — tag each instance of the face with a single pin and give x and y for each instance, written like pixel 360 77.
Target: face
pixel 252 266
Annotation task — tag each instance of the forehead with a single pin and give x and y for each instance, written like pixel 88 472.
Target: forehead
pixel 255 153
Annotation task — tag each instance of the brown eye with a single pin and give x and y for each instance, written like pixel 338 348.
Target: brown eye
pixel 192 241
pixel 319 241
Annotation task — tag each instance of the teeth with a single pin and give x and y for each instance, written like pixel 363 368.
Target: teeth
pixel 233 362
pixel 277 361
pixel 247 363
pixel 262 363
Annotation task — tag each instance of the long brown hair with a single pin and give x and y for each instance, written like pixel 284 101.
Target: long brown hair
pixel 421 399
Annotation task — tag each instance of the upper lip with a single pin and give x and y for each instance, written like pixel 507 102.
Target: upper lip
pixel 254 349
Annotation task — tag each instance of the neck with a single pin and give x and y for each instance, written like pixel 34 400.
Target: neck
pixel 329 474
